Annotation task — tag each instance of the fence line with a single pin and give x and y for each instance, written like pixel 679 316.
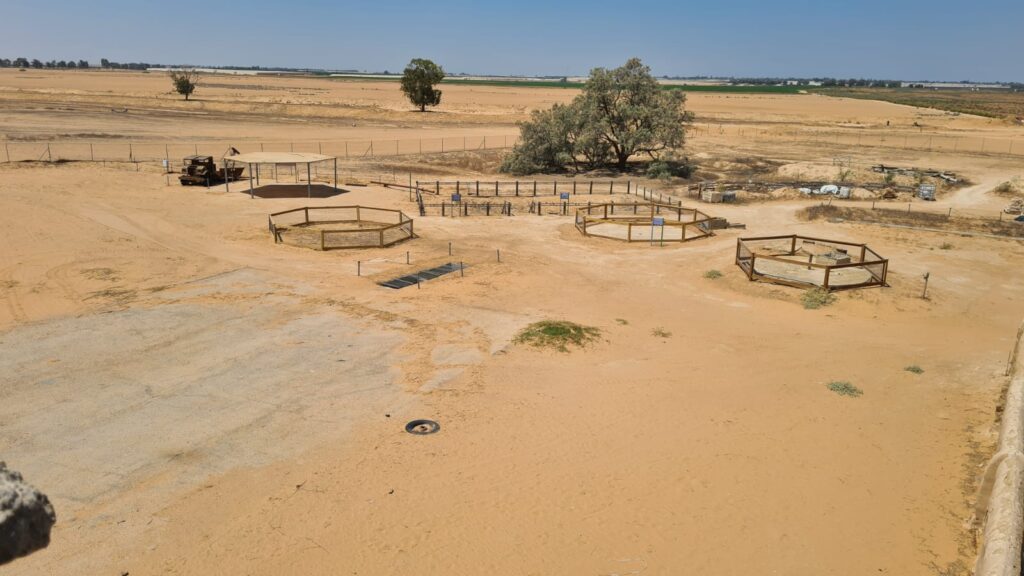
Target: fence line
pixel 64 150
pixel 173 152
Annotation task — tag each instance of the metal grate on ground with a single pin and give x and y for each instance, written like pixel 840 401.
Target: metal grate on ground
pixel 421 276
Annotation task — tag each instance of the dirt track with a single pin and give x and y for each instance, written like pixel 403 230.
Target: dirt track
pixel 175 384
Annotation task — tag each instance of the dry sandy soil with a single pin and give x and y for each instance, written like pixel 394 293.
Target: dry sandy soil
pixel 198 400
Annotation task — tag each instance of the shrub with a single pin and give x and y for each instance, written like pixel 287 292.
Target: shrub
pixel 557 334
pixel 914 368
pixel 945 246
pixel 817 298
pixel 661 333
pixel 665 169
pixel 844 388
pixel 712 274
pixel 1005 189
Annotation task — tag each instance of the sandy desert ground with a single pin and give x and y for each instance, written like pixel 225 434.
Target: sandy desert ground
pixel 198 400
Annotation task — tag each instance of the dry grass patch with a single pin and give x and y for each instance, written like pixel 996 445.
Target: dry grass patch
pixel 557 334
pixel 916 218
pixel 844 388
pixel 817 298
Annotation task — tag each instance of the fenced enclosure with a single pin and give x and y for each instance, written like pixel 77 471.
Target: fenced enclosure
pixel 527 188
pixel 805 262
pixel 339 227
pixel 466 208
pixel 651 222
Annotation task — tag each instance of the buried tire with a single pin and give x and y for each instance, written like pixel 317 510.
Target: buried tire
pixel 422 427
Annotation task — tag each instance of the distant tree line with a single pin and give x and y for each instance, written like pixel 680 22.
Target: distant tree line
pixel 826 82
pixel 35 63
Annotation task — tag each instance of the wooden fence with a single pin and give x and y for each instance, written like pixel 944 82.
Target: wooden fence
pixel 340 227
pixel 632 223
pixel 787 263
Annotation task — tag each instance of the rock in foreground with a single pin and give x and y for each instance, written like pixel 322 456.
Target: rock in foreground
pixel 26 517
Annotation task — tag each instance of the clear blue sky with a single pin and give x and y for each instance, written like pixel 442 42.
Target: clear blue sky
pixel 905 39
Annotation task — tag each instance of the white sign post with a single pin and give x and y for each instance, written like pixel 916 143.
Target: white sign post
pixel 658 222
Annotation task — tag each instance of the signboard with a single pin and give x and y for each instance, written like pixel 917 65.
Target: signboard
pixel 456 197
pixel 564 195
pixel 657 221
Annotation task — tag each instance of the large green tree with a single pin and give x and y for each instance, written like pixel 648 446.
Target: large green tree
pixel 185 81
pixel 620 113
pixel 418 81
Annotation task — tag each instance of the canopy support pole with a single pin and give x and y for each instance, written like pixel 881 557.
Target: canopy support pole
pixel 335 174
pixel 250 181
pixel 227 175
pixel 309 183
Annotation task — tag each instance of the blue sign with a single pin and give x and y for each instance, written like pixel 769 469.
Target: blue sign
pixel 456 197
pixel 657 222
pixel 564 195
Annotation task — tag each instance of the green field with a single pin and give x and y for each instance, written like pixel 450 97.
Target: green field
pixel 990 103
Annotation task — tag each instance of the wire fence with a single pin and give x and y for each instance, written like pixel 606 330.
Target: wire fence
pixel 173 152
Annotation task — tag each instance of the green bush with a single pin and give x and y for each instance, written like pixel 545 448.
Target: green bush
pixel 817 298
pixel 712 274
pixel 844 388
pixel 665 169
pixel 914 368
pixel 557 334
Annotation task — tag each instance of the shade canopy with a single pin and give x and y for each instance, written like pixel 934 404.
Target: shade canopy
pixel 293 158
pixel 278 158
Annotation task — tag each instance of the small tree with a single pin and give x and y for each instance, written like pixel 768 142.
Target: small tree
pixel 185 81
pixel 418 81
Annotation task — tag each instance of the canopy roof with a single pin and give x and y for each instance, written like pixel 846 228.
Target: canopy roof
pixel 278 158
